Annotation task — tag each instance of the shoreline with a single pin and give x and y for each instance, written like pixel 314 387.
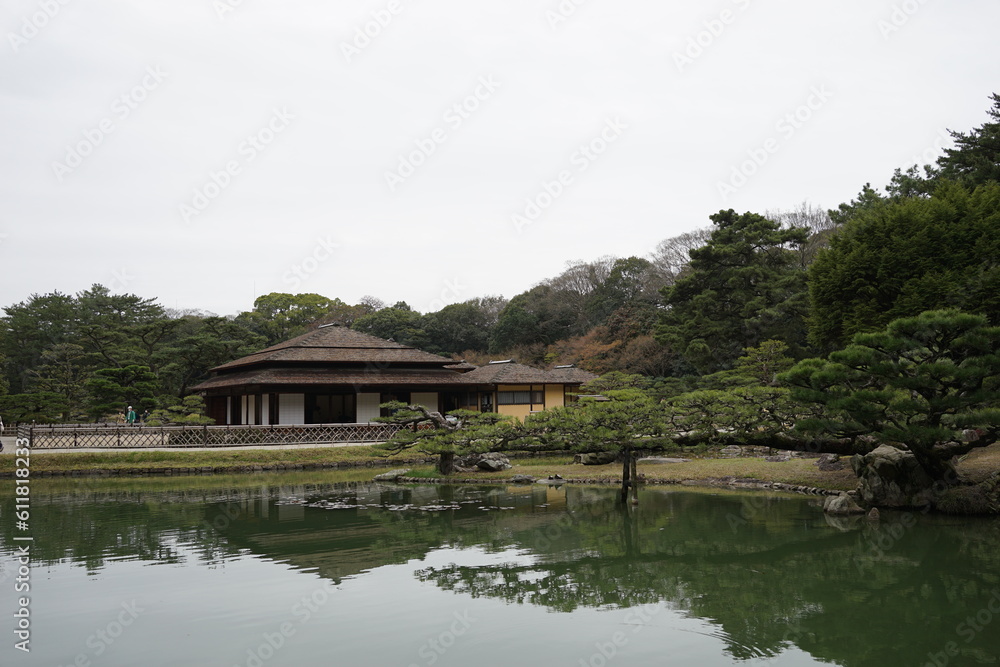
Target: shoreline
pixel 712 482
pixel 734 483
pixel 745 473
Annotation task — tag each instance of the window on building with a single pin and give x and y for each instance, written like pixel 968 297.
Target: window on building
pixel 520 397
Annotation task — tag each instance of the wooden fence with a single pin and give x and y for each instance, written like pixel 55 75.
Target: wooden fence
pixel 115 436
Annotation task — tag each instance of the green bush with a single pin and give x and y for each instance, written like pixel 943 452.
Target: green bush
pixel 980 499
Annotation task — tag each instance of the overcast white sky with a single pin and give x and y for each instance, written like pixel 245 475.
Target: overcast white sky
pixel 207 152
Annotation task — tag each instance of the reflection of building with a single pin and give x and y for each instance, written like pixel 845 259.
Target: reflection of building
pixel 337 375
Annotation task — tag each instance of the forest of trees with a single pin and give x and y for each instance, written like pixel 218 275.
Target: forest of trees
pixel 685 316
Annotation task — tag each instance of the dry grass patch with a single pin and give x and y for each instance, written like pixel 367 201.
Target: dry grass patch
pixel 980 463
pixel 797 471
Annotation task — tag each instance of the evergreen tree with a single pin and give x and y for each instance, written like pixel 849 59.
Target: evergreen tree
pixel 930 383
pixel 744 286
pixel 900 258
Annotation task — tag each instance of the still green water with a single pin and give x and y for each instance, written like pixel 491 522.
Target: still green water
pixel 294 570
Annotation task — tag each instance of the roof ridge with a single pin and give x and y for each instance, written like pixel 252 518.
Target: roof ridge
pixel 338 345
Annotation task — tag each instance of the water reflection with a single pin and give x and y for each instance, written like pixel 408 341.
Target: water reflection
pixel 767 572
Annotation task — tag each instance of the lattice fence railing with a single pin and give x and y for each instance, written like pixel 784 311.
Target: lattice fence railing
pixel 90 436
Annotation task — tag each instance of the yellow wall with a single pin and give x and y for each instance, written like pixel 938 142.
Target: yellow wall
pixel 519 411
pixel 552 395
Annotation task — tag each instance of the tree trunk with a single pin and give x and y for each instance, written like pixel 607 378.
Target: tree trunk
pixel 938 468
pixel 626 470
pixel 634 458
pixel 446 463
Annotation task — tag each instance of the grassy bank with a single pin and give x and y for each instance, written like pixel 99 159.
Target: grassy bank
pixel 799 472
pixel 224 458
pixel 366 462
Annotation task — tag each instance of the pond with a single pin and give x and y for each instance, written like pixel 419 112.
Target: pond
pixel 299 570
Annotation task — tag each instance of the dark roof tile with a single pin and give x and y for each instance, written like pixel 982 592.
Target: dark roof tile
pixel 511 373
pixel 336 344
pixel 326 376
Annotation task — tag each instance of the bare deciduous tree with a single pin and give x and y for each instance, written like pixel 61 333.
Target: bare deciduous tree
pixel 673 254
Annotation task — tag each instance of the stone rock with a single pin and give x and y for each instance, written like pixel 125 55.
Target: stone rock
pixel 662 459
pixel 829 463
pixel 595 458
pixel 392 475
pixel 842 505
pixel 778 458
pixel 754 450
pixel 493 462
pixel 490 462
pixel 874 514
pixel 890 477
pixel 522 479
pixel 731 452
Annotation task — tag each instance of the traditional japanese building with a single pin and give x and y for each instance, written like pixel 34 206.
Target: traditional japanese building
pixel 337 375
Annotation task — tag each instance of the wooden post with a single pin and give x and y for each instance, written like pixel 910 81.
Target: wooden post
pixel 626 470
pixel 634 457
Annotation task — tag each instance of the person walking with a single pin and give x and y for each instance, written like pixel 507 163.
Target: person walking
pixel 130 416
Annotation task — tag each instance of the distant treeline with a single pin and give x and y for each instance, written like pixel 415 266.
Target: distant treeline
pixel 807 278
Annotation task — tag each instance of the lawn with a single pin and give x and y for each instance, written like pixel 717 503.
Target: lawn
pixel 800 472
